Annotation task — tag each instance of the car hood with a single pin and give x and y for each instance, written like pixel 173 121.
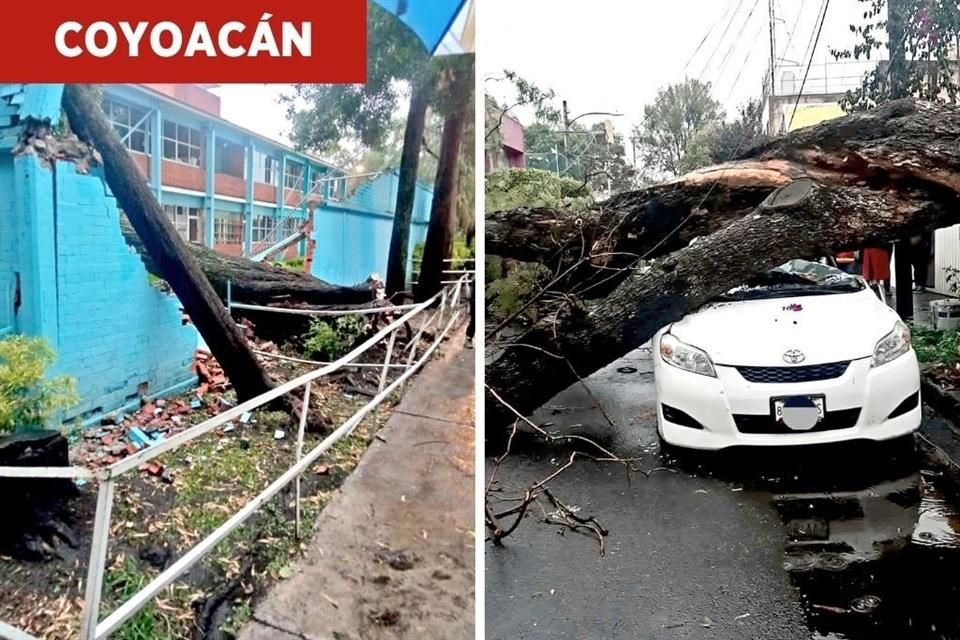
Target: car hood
pixel 825 328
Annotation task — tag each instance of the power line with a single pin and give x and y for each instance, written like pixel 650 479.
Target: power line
pixel 720 41
pixel 823 15
pixel 736 41
pixel 707 36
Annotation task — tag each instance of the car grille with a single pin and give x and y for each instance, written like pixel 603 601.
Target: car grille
pixel 807 373
pixel 833 420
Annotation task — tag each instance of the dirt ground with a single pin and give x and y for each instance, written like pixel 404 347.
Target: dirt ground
pixel 393 555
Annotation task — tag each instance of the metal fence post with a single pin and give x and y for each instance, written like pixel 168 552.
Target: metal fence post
pixel 303 425
pixel 383 376
pixel 98 560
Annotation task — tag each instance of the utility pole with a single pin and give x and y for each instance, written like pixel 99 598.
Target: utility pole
pixel 773 47
pixel 897 70
pixel 566 127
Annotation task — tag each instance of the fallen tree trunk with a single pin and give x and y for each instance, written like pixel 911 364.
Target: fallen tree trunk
pixel 897 145
pixel 257 282
pixel 167 250
pixel 802 219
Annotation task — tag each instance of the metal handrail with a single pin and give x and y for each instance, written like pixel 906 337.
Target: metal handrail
pixel 92 628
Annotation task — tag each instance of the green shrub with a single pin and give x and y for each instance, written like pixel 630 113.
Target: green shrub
pixel 27 399
pixel 940 347
pixel 331 339
pixel 505 296
pixel 512 188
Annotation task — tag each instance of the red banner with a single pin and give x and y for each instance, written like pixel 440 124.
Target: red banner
pixel 187 41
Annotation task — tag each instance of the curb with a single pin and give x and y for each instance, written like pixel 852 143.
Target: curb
pixel 939 445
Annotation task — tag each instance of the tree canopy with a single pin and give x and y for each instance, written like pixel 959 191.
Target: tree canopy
pixel 671 136
pixel 930 38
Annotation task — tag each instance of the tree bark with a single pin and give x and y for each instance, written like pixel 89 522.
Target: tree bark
pixel 878 176
pixel 443 219
pixel 257 282
pixel 167 250
pixel 897 144
pixel 407 187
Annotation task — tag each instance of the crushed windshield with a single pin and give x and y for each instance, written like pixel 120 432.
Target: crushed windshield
pixel 796 278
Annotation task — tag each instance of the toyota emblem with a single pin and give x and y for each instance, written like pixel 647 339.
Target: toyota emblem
pixel 793 356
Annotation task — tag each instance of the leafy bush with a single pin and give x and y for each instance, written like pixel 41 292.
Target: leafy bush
pixel 294 264
pixel 512 188
pixel 940 347
pixel 506 295
pixel 331 339
pixel 27 399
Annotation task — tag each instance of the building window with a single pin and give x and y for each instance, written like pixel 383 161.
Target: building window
pixel 265 168
pixel 263 228
pixel 186 220
pixel 229 160
pixel 293 178
pixel 181 143
pixel 227 228
pixel 338 189
pixel 317 180
pixel 131 123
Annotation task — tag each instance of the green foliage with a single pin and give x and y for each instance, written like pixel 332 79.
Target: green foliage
pixel 323 114
pixel 927 70
pixel 506 295
pixel 294 264
pixel 728 140
pixel 670 137
pixel 518 92
pixel 27 399
pixel 512 188
pixel 331 339
pixel 121 582
pixel 938 347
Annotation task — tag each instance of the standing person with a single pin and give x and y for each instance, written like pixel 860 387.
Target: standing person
pixel 471 288
pixel 920 247
pixel 876 268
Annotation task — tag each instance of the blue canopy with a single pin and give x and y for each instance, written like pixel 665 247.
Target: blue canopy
pixel 430 20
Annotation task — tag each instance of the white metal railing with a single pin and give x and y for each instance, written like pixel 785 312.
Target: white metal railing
pixel 92 628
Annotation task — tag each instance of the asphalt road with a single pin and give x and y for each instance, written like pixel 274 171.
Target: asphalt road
pixel 837 542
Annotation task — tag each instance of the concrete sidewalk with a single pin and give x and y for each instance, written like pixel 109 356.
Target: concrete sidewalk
pixel 393 555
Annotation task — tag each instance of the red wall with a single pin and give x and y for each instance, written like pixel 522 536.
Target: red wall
pixel 177 174
pixel 264 192
pixel 228 185
pixel 143 163
pixel 292 196
pixel 229 249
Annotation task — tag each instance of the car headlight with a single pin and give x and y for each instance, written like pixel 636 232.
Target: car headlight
pixel 892 346
pixel 680 354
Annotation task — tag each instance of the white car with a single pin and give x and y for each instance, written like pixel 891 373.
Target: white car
pixel 804 354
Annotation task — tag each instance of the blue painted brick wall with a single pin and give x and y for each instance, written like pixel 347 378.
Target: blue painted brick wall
pixel 353 236
pixel 116 331
pixel 84 289
pixel 9 246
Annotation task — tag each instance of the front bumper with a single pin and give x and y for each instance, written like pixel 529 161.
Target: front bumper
pixel 713 403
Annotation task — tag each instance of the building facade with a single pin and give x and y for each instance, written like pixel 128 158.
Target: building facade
pixel 67 274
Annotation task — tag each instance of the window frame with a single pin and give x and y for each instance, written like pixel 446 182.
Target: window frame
pixel 190 143
pixel 182 216
pixel 134 114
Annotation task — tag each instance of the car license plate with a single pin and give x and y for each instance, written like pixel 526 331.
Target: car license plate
pixel 778 404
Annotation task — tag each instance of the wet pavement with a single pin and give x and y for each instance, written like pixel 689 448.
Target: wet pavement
pixel 848 541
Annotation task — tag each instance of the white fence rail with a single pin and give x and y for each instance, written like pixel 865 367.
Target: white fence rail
pixel 92 628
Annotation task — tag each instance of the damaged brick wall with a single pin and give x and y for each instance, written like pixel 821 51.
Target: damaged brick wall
pixel 88 294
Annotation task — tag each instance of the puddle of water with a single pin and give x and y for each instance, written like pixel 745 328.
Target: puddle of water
pixel 938 524
pixel 879 562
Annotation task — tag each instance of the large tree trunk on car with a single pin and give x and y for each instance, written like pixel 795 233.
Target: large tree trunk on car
pixel 258 282
pixel 896 145
pixel 174 261
pixel 802 219
pixel 869 177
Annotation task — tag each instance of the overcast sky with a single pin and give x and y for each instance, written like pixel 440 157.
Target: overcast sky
pixel 611 55
pixel 256 107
